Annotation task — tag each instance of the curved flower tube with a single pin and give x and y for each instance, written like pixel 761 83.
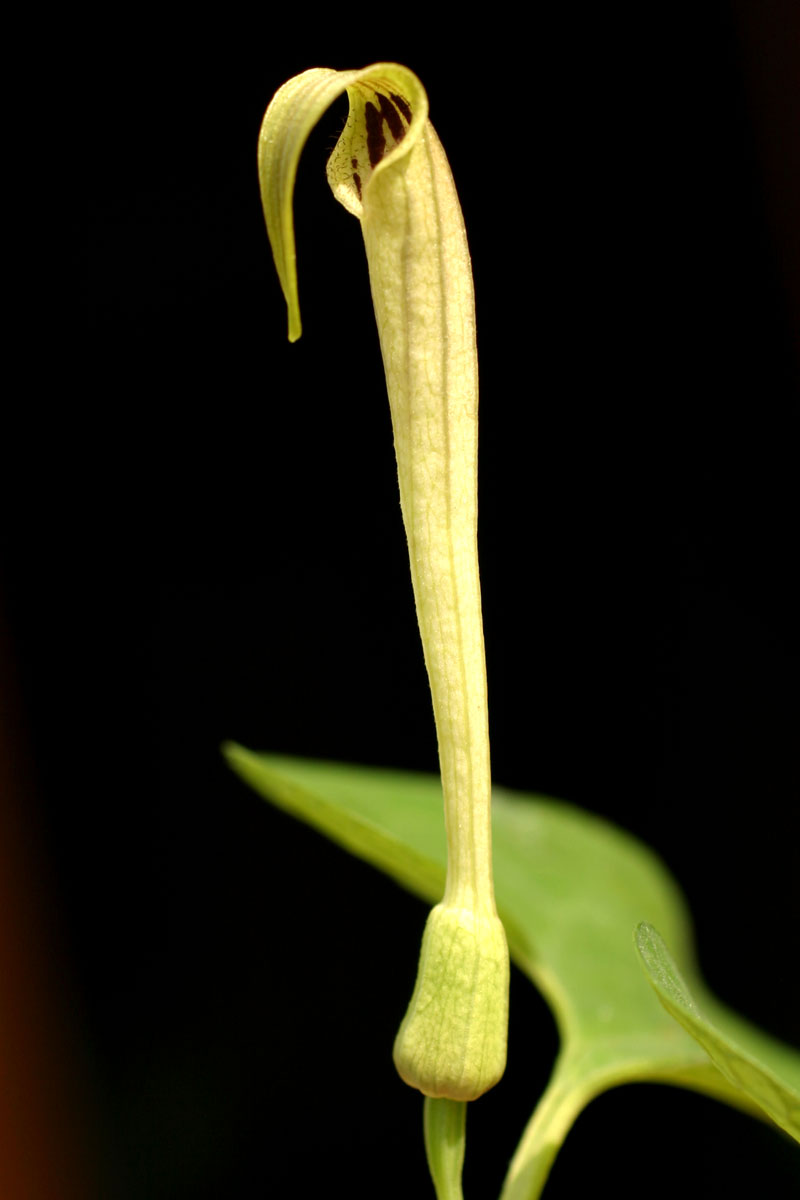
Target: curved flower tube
pixel 389 169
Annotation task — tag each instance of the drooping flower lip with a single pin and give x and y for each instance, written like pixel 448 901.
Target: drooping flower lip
pixel 388 110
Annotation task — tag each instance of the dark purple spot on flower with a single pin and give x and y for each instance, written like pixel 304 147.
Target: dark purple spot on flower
pixel 391 117
pixel 402 105
pixel 376 142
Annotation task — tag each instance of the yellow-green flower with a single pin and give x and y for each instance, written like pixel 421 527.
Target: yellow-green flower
pixel 389 169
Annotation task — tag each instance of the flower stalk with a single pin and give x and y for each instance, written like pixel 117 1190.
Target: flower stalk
pixel 389 169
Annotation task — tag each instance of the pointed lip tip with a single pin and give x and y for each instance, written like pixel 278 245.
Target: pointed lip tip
pixel 230 749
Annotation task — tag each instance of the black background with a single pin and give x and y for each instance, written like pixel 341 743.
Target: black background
pixel 206 544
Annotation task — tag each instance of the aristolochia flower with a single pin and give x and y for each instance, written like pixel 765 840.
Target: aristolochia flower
pixel 389 169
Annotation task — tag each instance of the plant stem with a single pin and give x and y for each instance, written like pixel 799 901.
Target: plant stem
pixel 544 1134
pixel 445 1123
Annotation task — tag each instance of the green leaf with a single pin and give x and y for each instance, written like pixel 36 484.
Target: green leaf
pixel 748 1059
pixel 570 889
